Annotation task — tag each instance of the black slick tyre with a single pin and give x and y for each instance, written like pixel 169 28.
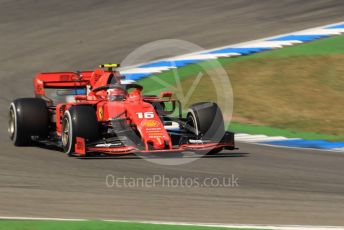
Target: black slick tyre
pixel 78 121
pixel 27 117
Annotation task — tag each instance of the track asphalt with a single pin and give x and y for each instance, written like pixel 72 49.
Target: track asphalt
pixel 276 185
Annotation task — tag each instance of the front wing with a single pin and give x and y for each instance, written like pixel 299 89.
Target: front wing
pixel 227 142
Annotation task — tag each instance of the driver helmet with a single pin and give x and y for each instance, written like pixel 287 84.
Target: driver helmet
pixel 116 94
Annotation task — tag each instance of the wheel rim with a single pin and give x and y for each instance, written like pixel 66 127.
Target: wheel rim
pixel 11 123
pixel 65 132
pixel 191 124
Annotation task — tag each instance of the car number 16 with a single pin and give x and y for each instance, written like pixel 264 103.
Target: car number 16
pixel 145 115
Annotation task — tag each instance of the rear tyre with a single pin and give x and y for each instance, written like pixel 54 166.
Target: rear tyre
pixel 27 117
pixel 205 120
pixel 78 121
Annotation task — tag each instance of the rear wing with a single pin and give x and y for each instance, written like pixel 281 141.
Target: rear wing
pixel 60 79
pixel 78 79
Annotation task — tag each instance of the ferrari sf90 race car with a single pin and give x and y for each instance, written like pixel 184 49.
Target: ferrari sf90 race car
pixel 101 112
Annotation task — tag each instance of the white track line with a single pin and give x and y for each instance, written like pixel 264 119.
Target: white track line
pixel 260 138
pixel 164 68
pixel 205 56
pixel 273 227
pixel 263 139
pixel 341 30
pixel 339 149
pixel 319 32
pixel 334 150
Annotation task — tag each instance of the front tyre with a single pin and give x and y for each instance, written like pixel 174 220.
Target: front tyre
pixel 78 121
pixel 205 120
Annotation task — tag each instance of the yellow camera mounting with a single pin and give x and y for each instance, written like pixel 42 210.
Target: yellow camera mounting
pixel 109 66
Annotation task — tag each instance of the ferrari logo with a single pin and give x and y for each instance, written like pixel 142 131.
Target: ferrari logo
pixel 101 113
pixel 151 123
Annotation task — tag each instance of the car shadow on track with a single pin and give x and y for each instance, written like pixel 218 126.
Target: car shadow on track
pixel 100 156
pixel 161 156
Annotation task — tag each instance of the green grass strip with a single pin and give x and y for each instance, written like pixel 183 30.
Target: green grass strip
pixel 95 225
pixel 271 131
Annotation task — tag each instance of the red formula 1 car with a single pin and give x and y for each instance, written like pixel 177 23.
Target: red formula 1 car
pixel 97 111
